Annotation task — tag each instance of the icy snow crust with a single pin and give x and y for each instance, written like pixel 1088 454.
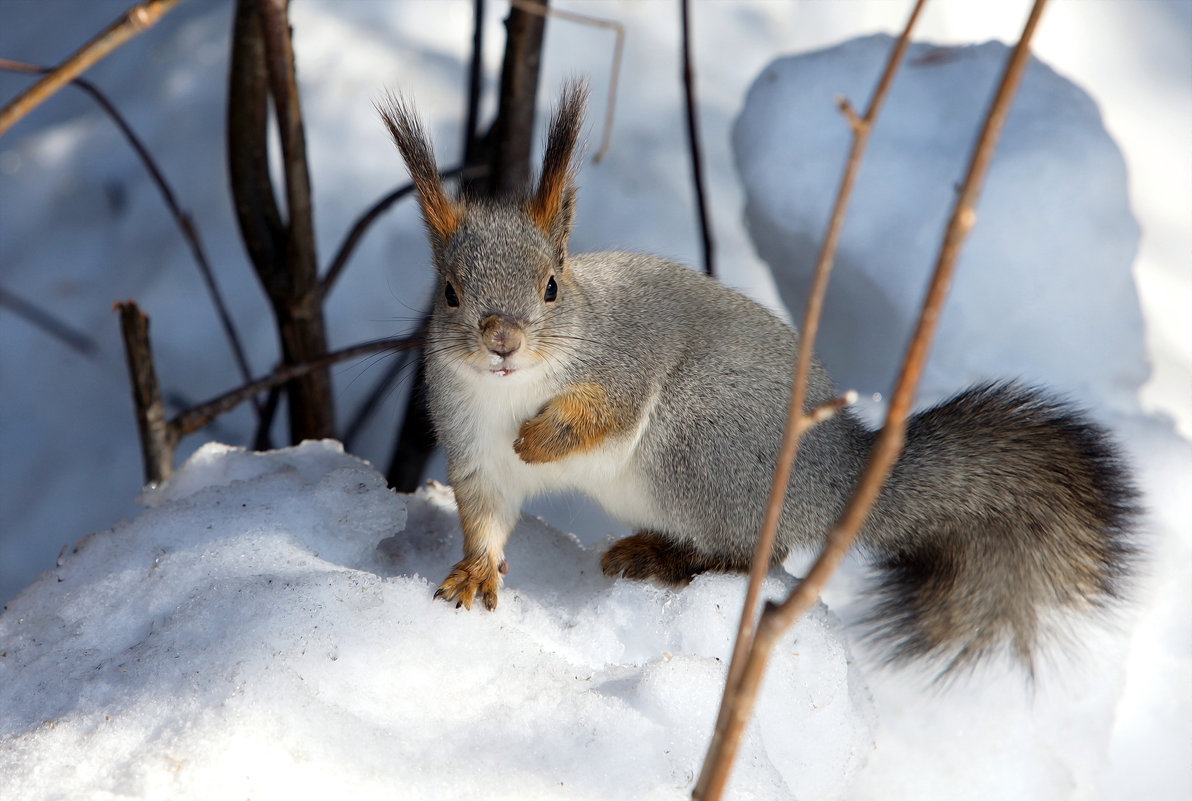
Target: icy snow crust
pixel 247 637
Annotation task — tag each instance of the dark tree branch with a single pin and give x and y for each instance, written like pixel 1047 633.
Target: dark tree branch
pixel 256 208
pixel 415 440
pixel 618 30
pixel 193 419
pixel 157 438
pixel 472 123
pixel 283 254
pixel 372 401
pixel 512 134
pixel 506 151
pixel 693 141
pixel 300 267
pixel 262 441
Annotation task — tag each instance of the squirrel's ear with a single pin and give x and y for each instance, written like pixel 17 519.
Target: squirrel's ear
pixel 552 205
pixel 442 215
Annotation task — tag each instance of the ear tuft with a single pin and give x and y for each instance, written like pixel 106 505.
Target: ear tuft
pixel 442 215
pixel 553 203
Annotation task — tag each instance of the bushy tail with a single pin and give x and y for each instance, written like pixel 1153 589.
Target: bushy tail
pixel 1005 507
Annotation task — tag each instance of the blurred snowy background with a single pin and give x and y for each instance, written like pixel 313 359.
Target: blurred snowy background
pixel 81 227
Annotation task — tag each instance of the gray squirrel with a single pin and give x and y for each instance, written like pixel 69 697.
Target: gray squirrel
pixel 662 395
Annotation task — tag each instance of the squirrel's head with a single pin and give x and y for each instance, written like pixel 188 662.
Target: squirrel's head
pixel 501 264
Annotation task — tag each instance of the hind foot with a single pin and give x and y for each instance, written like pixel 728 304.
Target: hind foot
pixel 647 555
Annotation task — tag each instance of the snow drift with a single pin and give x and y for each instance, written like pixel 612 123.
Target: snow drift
pixel 245 636
pixel 1043 290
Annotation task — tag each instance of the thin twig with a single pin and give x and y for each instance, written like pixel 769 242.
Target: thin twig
pixel 614 74
pixel 776 619
pixel 370 215
pixel 697 166
pixel 196 417
pixel 48 323
pixel 181 219
pixel 132 22
pixel 795 425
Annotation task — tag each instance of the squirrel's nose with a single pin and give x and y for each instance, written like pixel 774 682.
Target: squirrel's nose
pixel 502 334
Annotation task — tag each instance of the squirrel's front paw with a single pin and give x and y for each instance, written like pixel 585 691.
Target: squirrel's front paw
pixel 541 439
pixel 573 422
pixel 479 574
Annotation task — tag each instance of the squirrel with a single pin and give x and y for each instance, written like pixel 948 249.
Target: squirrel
pixel 662 395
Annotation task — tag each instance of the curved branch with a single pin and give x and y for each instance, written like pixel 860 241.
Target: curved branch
pixel 181 218
pixel 370 215
pixel 137 19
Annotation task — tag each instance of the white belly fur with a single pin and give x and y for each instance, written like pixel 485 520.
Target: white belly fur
pixel 607 474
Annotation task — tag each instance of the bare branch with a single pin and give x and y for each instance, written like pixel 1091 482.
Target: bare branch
pixel 729 723
pixel 697 166
pixel 193 419
pixel 850 114
pixel 283 87
pixel 365 220
pixel 157 438
pixel 132 22
pixel 472 123
pixel 48 323
pixel 257 213
pixel 511 135
pixel 778 618
pixel 614 74
pixel 282 253
pixel 381 390
pixel 181 219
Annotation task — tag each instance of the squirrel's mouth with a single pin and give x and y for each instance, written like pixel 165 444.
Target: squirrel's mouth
pixel 500 366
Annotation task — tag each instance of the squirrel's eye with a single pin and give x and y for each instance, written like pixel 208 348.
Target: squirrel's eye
pixel 552 290
pixel 449 293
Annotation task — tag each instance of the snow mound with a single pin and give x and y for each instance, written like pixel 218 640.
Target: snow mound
pixel 266 629
pixel 1044 289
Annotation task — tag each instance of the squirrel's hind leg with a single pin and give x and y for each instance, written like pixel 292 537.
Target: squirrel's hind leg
pixel 649 555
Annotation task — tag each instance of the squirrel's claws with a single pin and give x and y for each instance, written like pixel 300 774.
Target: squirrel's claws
pixel 476 575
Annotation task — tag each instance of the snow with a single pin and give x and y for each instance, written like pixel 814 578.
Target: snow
pixel 1050 260
pixel 573 679
pixel 266 628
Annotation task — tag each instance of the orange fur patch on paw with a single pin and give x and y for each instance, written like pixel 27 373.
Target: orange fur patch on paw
pixel 574 422
pixel 472 576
